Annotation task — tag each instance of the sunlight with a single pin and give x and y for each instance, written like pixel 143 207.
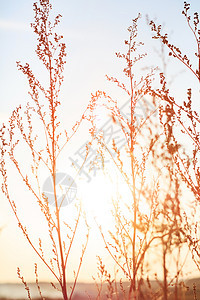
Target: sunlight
pixel 96 197
pixel 100 176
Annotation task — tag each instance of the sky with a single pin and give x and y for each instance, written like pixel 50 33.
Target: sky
pixel 93 31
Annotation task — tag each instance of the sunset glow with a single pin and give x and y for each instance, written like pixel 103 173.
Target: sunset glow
pixel 99 150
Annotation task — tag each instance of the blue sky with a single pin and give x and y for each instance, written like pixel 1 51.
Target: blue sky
pixel 93 31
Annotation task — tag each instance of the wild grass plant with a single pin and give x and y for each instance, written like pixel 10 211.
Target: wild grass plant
pixel 150 224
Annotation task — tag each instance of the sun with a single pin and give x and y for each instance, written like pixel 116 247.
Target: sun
pixel 96 198
pixel 99 196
